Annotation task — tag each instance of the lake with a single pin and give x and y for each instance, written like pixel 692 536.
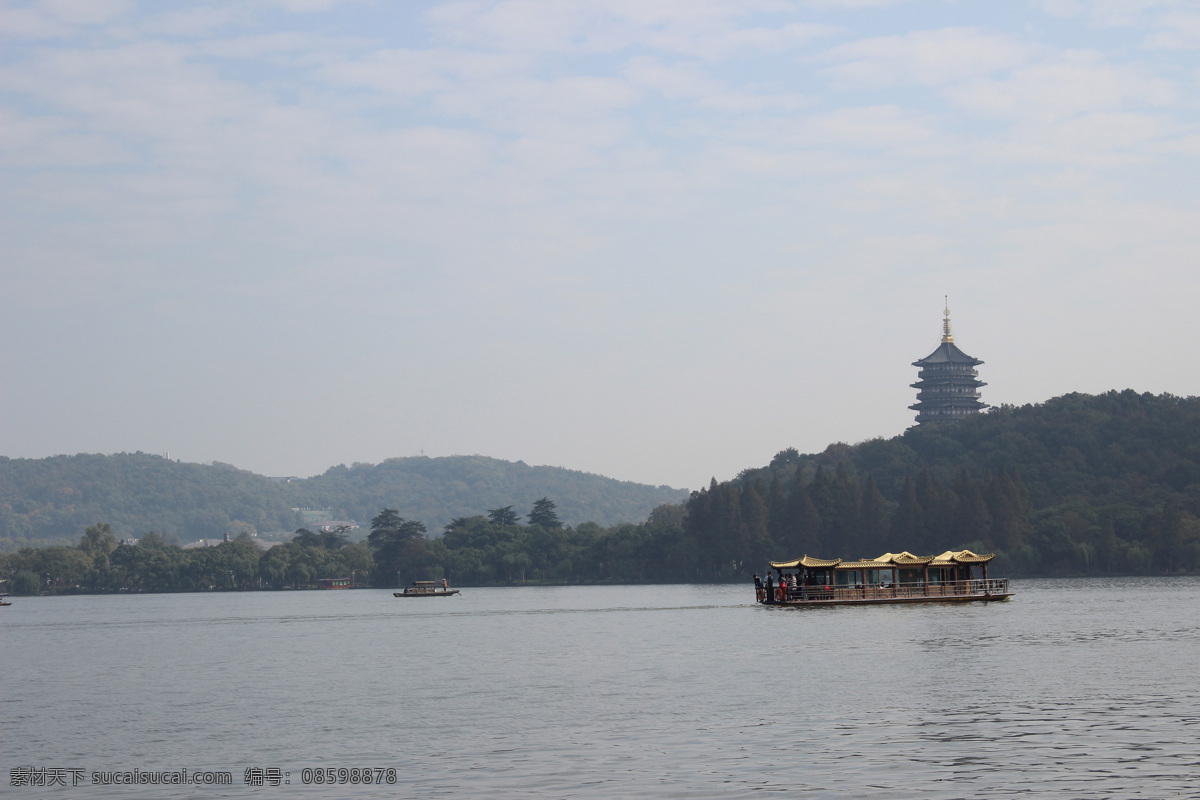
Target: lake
pixel 1074 688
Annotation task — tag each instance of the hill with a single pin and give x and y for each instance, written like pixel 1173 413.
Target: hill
pixel 1080 483
pixel 52 500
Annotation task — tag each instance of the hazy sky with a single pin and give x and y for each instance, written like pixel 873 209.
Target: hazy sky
pixel 659 240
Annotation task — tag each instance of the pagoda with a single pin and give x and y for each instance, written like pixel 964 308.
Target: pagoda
pixel 947 385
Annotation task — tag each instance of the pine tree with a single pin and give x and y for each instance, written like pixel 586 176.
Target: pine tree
pixel 939 505
pixel 1008 505
pixel 802 530
pixel 543 514
pixel 755 541
pixel 776 510
pixel 971 518
pixel 908 529
pixel 872 519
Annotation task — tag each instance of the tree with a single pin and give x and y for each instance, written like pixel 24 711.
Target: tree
pixel 971 519
pixel 398 546
pixel 802 528
pixel 785 457
pixel 754 542
pixel 503 516
pixel 872 518
pixel 98 540
pixel 388 518
pixel 543 514
pixel 25 581
pixel 908 523
pixel 335 539
pixel 151 541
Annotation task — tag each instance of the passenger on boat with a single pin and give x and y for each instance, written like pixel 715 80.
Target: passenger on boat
pixel 770 588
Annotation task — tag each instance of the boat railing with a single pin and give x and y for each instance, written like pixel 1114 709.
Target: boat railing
pixel 975 587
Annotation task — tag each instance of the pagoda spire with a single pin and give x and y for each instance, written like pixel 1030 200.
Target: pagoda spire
pixel 946 335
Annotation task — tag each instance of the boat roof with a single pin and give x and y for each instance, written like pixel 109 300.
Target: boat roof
pixel 806 561
pixel 962 557
pixel 888 560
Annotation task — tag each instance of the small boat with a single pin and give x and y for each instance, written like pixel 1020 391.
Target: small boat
pixel 426 589
pixel 3 602
pixel 952 577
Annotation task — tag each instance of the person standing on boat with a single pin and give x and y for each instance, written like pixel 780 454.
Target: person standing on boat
pixel 758 589
pixel 770 587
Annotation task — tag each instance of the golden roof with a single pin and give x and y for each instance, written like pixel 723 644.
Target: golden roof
pixel 807 562
pixel 907 559
pixel 865 563
pixel 950 558
pixel 888 560
pixel 967 557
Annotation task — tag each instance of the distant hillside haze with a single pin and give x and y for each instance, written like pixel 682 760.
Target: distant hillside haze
pixel 52 500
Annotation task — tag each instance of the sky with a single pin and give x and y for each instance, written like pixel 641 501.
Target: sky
pixel 658 240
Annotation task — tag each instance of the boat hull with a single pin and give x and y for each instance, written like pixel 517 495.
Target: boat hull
pixel 445 593
pixel 878 601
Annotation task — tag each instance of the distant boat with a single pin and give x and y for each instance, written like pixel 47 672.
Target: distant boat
pixel 2 602
pixel 335 583
pixel 426 589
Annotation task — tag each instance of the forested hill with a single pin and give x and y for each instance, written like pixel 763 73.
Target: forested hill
pixel 1081 483
pixel 52 500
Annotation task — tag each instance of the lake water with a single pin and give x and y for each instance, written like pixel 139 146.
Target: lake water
pixel 1074 688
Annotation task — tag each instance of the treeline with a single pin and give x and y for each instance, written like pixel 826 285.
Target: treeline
pixel 498 548
pixel 102 564
pixel 733 526
pixel 49 500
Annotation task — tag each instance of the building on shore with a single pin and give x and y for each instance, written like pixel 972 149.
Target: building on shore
pixel 948 384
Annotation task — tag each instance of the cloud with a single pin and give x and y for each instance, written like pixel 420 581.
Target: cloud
pixel 853 5
pixel 926 58
pixel 308 6
pixel 87 12
pixel 1110 13
pixel 192 22
pixel 1168 24
pixel 30 22
pixel 706 29
pixel 1178 30
pixel 691 82
pixel 1073 82
pixel 413 73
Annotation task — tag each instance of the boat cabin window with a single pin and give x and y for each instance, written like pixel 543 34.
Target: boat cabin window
pixel 879 577
pixel 847 578
pixel 818 578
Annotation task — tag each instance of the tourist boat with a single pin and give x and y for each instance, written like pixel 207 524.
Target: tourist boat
pixel 426 589
pixel 952 577
pixel 4 602
pixel 335 583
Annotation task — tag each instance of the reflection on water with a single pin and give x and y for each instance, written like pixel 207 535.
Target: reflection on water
pixel 1080 688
